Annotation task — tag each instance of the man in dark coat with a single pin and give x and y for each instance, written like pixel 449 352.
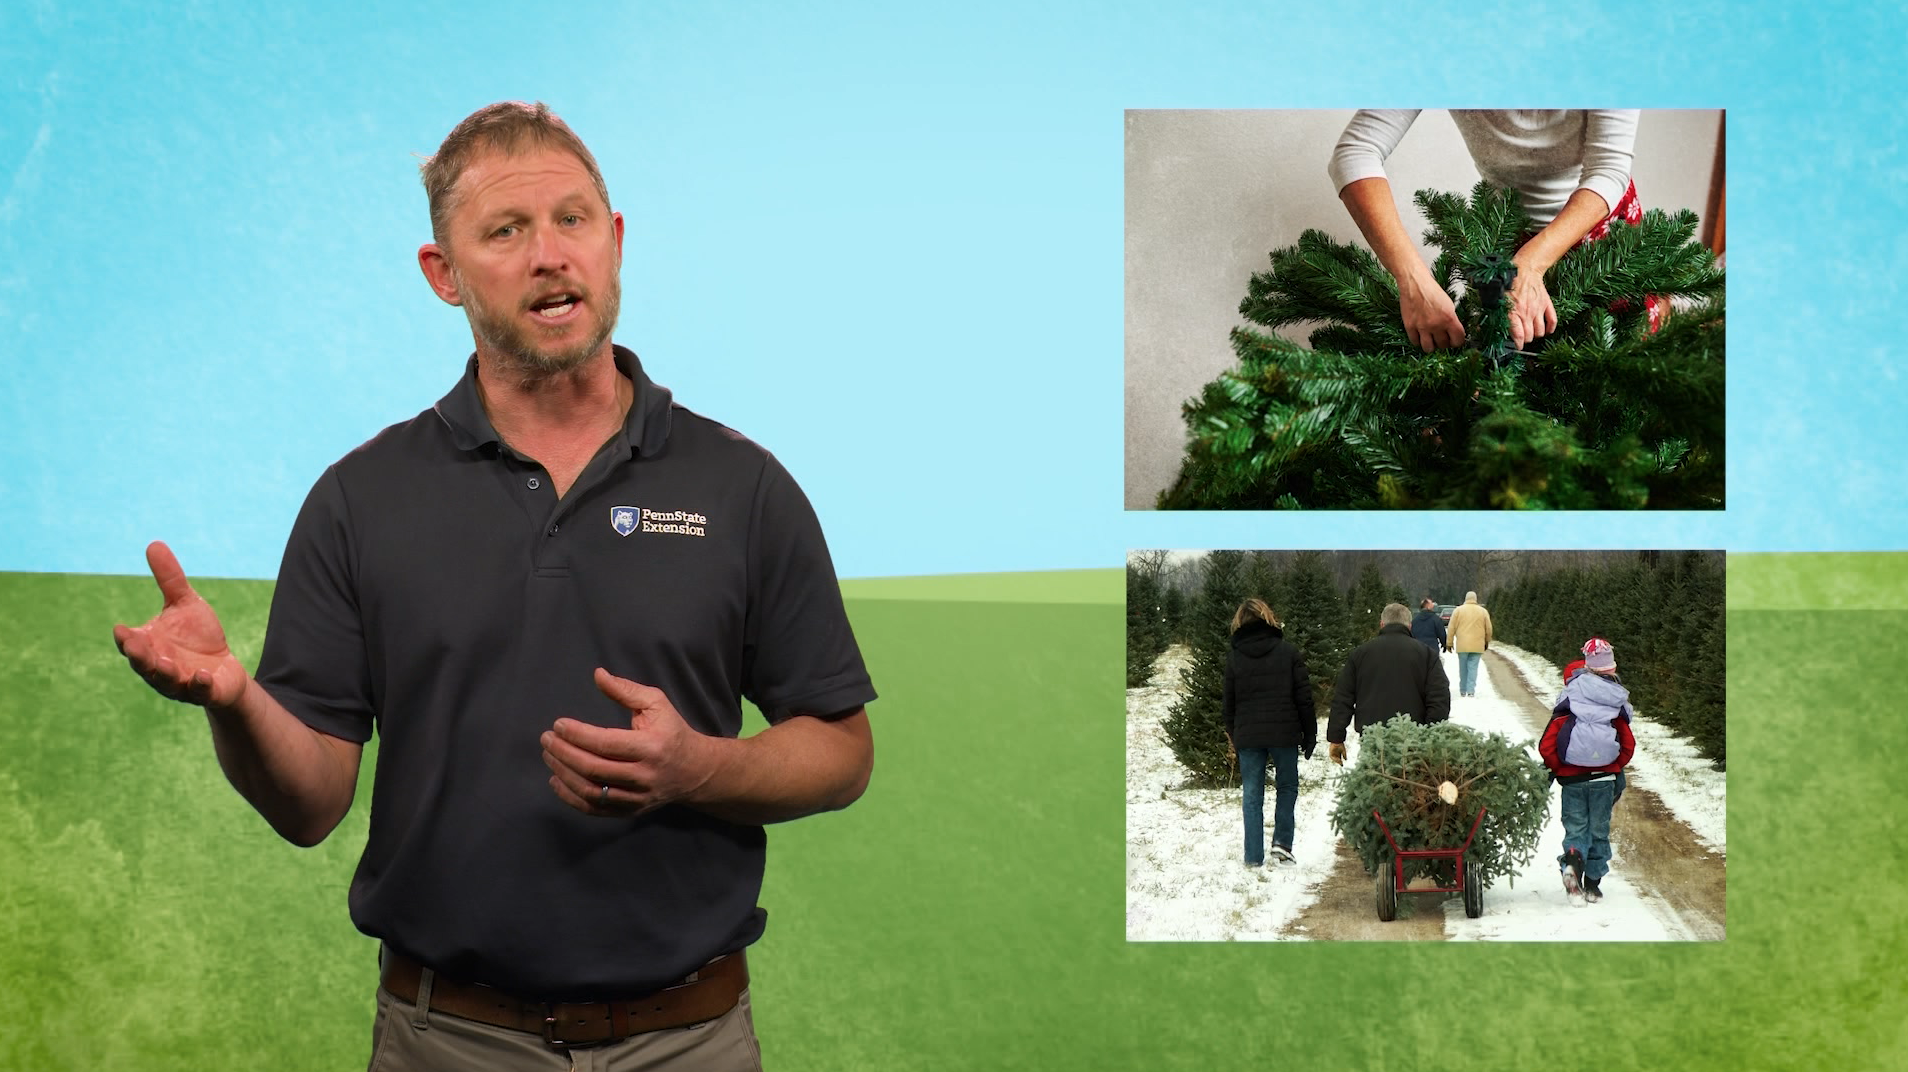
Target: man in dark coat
pixel 1386 676
pixel 1427 628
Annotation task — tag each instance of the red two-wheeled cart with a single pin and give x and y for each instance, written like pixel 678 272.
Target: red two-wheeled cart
pixel 1391 880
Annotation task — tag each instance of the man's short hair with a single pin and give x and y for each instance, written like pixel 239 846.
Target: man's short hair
pixel 1469 596
pixel 1428 602
pixel 509 127
pixel 1395 614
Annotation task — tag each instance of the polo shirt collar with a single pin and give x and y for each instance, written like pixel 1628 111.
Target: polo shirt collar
pixel 644 431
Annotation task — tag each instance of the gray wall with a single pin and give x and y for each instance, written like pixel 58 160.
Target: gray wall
pixel 1210 193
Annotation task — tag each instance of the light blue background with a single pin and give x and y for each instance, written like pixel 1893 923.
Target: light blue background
pixel 886 244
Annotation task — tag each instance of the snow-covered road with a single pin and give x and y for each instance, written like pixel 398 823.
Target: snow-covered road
pixel 1186 880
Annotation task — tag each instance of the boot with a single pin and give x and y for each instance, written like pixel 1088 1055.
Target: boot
pixel 1572 861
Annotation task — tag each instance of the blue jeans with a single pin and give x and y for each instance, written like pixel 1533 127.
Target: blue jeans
pixel 1252 764
pixel 1467 671
pixel 1586 823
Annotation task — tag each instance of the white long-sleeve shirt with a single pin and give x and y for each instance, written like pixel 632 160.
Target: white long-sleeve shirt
pixel 1544 155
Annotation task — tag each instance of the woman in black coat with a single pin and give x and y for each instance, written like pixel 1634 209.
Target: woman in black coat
pixel 1269 717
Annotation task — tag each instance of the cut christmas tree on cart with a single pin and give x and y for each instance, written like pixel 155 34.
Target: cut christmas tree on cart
pixel 1442 802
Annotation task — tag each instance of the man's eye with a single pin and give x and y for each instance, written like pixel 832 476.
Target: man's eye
pixel 505 231
pixel 572 219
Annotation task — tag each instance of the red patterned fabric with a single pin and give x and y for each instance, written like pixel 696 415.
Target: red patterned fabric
pixel 1630 211
pixel 1627 209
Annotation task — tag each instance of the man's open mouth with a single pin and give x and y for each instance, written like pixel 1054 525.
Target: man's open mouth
pixel 554 306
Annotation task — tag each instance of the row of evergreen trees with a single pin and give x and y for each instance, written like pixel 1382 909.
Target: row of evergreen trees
pixel 1324 622
pixel 1160 613
pixel 1148 629
pixel 1662 611
pixel 1157 613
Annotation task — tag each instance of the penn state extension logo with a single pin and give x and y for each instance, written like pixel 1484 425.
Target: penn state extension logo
pixel 628 519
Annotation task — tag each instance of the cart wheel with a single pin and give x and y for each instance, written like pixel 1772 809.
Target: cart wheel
pixel 1473 891
pixel 1387 895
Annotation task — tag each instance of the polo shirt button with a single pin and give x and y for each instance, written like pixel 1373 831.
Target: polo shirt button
pixel 554 528
pixel 535 483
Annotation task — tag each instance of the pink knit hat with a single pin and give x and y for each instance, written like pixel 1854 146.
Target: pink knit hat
pixel 1598 654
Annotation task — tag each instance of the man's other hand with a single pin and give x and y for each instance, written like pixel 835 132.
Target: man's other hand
pixel 1338 753
pixel 182 651
pixel 659 759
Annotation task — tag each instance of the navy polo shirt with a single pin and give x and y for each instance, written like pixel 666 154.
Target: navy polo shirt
pixel 436 590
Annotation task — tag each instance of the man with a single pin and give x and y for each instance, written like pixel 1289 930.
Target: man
pixel 548 594
pixel 1427 628
pixel 1385 677
pixel 1470 637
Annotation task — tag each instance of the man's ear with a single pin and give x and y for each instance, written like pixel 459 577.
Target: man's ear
pixel 436 266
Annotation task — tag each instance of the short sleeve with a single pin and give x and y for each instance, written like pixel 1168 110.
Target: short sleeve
pixel 1366 143
pixel 314 662
pixel 1609 143
pixel 799 653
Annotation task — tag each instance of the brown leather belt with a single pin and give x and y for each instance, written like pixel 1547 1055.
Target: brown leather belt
pixel 708 993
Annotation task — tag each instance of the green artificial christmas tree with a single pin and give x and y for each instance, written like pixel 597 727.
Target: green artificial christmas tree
pixel 1601 414
pixel 1403 772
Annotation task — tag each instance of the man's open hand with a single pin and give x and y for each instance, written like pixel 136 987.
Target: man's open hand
pixel 658 760
pixel 182 652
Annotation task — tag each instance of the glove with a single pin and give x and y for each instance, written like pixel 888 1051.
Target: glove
pixel 1338 753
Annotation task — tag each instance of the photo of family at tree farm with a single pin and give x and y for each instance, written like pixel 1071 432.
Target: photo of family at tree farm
pixel 1459 309
pixel 1425 745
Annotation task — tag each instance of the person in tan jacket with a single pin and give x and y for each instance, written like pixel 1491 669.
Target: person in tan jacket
pixel 1470 636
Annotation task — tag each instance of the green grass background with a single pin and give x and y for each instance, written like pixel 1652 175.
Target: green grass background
pixel 968 912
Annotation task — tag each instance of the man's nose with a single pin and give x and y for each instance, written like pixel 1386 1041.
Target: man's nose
pixel 548 251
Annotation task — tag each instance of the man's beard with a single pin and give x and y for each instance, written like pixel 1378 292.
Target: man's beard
pixel 518 347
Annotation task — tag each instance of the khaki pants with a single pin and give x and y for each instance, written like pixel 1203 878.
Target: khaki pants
pixel 402 1040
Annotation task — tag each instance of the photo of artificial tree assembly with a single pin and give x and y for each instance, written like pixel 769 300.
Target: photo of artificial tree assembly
pixel 1553 344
